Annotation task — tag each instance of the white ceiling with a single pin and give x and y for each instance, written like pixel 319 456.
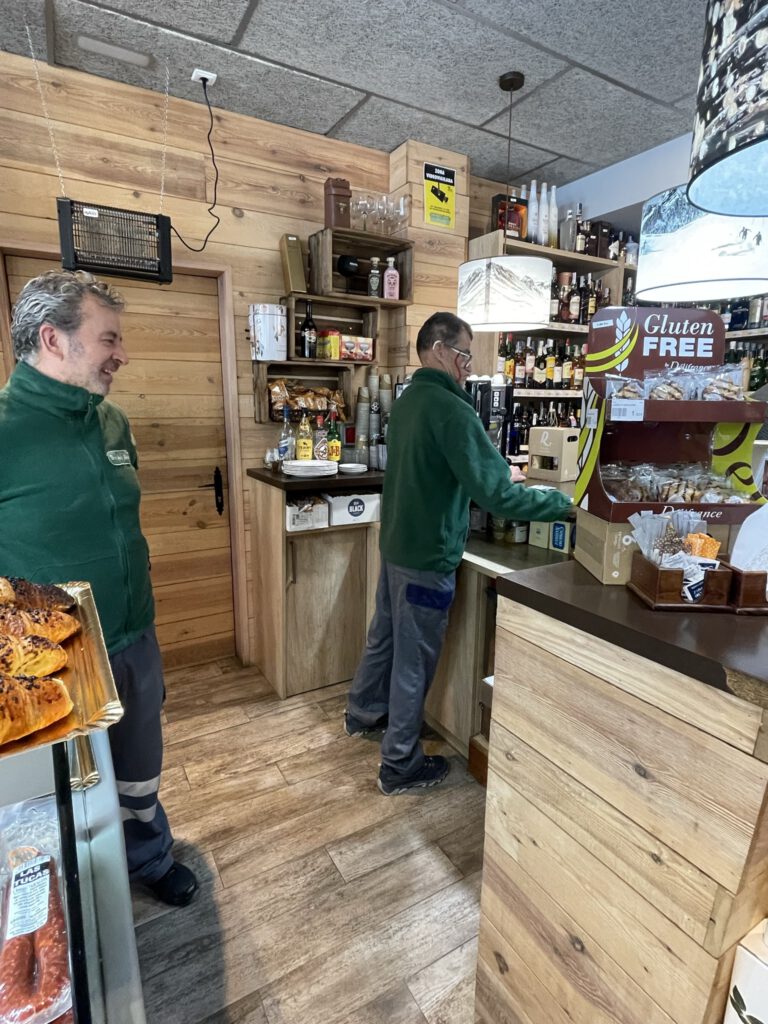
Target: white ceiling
pixel 605 79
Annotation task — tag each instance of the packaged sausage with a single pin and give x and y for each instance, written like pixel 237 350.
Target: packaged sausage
pixel 35 986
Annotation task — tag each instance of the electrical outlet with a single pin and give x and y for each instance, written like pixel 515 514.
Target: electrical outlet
pixel 210 76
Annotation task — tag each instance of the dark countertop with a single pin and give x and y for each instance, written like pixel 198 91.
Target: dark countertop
pixel 494 559
pixel 715 648
pixel 372 480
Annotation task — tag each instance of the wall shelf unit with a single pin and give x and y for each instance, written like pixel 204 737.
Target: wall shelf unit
pixel 327 245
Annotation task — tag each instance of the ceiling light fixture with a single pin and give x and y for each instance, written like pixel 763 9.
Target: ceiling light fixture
pixel 729 158
pixel 687 255
pixel 104 49
pixel 505 293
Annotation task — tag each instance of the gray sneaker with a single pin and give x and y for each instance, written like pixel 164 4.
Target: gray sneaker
pixel 431 773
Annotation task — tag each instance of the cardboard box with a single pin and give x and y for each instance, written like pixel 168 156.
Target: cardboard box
pixel 553 454
pixel 269 333
pixel 356 348
pixel 306 514
pixel 605 549
pixel 562 536
pixel 353 508
pixel 538 535
pixel 748 994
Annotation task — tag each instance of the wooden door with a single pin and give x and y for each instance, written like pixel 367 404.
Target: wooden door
pixel 171 391
pixel 325 607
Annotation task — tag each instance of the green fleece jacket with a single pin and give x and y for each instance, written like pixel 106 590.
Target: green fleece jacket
pixel 439 457
pixel 69 499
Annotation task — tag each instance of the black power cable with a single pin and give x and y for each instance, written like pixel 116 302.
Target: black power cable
pixel 212 207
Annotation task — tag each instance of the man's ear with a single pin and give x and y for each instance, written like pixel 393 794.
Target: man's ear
pixel 52 341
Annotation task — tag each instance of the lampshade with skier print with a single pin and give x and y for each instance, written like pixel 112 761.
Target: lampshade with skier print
pixel 729 157
pixel 687 255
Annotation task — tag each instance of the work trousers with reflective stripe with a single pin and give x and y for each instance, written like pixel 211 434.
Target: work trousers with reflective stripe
pixel 401 654
pixel 137 754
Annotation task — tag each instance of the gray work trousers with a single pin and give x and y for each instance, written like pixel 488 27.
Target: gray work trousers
pixel 401 654
pixel 137 754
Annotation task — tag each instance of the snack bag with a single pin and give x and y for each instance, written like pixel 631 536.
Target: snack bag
pixel 624 387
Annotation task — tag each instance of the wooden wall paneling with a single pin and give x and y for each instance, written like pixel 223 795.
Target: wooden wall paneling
pixel 636 757
pixel 720 714
pixel 6 342
pixel 407 164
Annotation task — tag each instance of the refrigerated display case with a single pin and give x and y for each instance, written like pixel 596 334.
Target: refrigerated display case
pixel 103 962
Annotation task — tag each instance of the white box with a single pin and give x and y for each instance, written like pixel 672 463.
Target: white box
pixel 748 993
pixel 553 454
pixel 307 514
pixel 538 535
pixel 353 508
pixel 269 332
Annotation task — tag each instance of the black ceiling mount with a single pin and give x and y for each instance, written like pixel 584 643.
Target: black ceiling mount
pixel 512 81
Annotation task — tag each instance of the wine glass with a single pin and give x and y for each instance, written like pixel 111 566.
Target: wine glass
pixel 374 212
pixel 402 211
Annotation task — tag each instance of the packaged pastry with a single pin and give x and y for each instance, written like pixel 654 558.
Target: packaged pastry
pixel 668 386
pixel 702 545
pixel 721 384
pixel 624 387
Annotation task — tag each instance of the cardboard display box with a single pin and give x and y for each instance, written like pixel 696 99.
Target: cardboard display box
pixel 553 454
pixel 353 508
pixel 748 994
pixel 605 549
pixel 309 514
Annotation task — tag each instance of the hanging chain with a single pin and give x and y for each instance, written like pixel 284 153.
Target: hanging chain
pixel 165 132
pixel 44 105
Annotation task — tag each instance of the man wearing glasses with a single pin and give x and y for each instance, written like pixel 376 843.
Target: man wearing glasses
pixel 439 457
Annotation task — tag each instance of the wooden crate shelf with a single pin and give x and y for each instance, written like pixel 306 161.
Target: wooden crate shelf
pixel 327 245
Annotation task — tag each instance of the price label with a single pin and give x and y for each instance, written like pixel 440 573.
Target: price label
pixel 591 419
pixel 627 410
pixel 28 906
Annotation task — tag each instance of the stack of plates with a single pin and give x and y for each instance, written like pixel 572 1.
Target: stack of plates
pixel 309 467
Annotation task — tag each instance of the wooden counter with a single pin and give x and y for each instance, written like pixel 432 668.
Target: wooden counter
pixel 627 827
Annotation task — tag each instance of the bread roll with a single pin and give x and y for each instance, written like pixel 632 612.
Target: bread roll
pixel 14 590
pixel 30 656
pixel 53 625
pixel 27 705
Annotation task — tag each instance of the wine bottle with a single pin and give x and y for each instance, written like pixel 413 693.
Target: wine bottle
pixel 308 335
pixel 533 214
pixel 553 217
pixel 543 233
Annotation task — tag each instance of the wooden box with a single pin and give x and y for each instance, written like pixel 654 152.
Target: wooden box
pixel 661 588
pixel 747 595
pixel 326 246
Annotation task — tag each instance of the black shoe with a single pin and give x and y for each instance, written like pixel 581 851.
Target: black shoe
pixel 177 886
pixel 431 773
pixel 354 727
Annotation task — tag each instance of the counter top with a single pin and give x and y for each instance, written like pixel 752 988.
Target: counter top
pixel 719 649
pixel 372 479
pixel 495 560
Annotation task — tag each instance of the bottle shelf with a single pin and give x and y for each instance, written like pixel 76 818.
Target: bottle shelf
pixel 563 259
pixel 559 328
pixel 693 412
pixel 552 393
pixel 352 299
pixel 754 332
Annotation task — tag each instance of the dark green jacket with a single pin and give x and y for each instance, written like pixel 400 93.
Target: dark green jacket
pixel 69 499
pixel 439 457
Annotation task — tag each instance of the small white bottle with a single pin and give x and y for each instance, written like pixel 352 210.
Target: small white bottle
pixel 533 214
pixel 553 222
pixel 543 235
pixel 391 280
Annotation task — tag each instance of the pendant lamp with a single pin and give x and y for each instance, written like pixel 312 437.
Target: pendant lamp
pixel 505 293
pixel 729 158
pixel 687 255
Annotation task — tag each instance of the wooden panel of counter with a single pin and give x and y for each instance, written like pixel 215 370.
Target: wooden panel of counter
pixel 627 818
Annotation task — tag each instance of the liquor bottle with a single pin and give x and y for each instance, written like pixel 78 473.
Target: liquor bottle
pixel 739 315
pixel 578 367
pixel 540 367
pixel 304 439
pixel 530 363
pixel 550 364
pixel 764 323
pixel 543 234
pixel 554 301
pixel 374 277
pixel 564 315
pixel 730 354
pixel 286 445
pixel 592 298
pixel 557 371
pixel 308 334
pixel 605 298
pixel 509 361
pixel 553 217
pixel 513 434
pixel 334 438
pixel 533 214
pixel 568 232
pixel 581 235
pixel 583 301
pixel 520 361
pixel 391 280
pixel 574 300
pixel 629 292
pixel 590 246
pixel 576 224
pixel 320 440
pixel 755 312
pixel 501 360
pixel 567 367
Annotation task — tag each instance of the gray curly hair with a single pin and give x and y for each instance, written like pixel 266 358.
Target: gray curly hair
pixel 55 298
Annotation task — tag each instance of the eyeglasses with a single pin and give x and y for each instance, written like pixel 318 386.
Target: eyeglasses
pixel 461 352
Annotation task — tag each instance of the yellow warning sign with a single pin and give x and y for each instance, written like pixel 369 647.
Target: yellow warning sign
pixel 439 196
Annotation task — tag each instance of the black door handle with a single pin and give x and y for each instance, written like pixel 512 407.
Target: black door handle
pixel 218 490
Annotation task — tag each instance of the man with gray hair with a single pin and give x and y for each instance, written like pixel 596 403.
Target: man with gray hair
pixel 69 510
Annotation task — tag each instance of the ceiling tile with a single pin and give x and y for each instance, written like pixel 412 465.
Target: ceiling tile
pixel 561 171
pixel 13 34
pixel 417 53
pixel 245 85
pixel 384 125
pixel 586 118
pixel 218 21
pixel 653 46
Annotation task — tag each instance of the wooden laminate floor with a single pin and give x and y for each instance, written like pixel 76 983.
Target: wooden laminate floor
pixel 321 902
